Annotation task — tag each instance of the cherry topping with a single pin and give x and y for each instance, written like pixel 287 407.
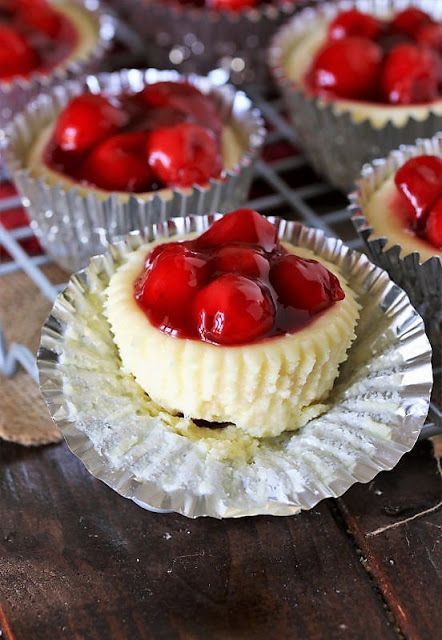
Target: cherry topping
pixel 233 309
pixel 169 284
pixel 304 284
pixel 354 23
pixel 240 259
pixel 161 94
pixel 409 75
pixel 86 120
pixel 430 35
pixel 349 68
pixel 184 154
pixel 234 284
pixel 119 163
pixel 171 248
pixel 16 56
pixel 419 182
pixel 433 227
pixel 366 58
pixel 41 17
pixel 409 21
pixel 186 100
pixel 242 226
pixel 232 5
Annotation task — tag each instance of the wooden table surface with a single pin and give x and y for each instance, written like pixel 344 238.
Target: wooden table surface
pixel 78 561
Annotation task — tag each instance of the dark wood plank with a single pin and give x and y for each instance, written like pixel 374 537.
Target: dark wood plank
pixel 405 560
pixel 78 561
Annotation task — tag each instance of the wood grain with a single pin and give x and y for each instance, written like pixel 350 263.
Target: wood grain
pixel 79 561
pixel 405 560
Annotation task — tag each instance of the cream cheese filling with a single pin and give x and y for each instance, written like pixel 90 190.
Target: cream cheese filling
pixel 231 150
pixel 264 388
pixel 297 62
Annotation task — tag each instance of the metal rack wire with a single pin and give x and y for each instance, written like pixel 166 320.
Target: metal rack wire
pixel 284 185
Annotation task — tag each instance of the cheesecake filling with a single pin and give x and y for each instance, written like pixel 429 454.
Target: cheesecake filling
pixel 236 368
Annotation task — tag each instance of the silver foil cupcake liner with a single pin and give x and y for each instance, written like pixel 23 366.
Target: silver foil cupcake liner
pixel 334 143
pixel 15 95
pixel 422 280
pixel 72 226
pixel 199 39
pixel 378 405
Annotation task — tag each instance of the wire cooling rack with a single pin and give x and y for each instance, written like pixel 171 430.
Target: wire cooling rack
pixel 284 185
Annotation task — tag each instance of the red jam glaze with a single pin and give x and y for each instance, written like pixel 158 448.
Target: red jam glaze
pixel 417 201
pixel 168 134
pixel 34 37
pixel 234 284
pixel 396 62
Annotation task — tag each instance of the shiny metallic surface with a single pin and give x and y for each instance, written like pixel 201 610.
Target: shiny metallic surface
pixel 422 280
pixel 200 39
pixel 334 143
pixel 73 226
pixel 377 407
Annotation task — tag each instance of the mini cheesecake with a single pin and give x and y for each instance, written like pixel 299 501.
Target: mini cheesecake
pixel 380 70
pixel 233 326
pixel 406 209
pixel 39 36
pixel 167 136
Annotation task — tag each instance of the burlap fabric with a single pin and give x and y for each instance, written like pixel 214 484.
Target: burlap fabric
pixel 24 417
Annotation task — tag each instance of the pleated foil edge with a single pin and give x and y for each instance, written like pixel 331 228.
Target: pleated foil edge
pixel 388 313
pixel 200 39
pixel 15 95
pixel 71 226
pixel 334 143
pixel 422 280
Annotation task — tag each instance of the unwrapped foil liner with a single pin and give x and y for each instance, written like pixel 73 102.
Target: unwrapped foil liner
pixel 72 226
pixel 422 280
pixel 378 404
pixel 334 143
pixel 200 39
pixel 15 94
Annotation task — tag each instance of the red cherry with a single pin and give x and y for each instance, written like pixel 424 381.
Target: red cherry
pixel 16 55
pixel 200 110
pixel 433 227
pixel 167 287
pixel 232 5
pixel 119 164
pixel 232 310
pixel 354 23
pixel 184 154
pixel 164 248
pixel 160 94
pixel 305 284
pixel 243 260
pixel 409 75
pixel 41 17
pixel 245 226
pixel 86 120
pixel 186 100
pixel 430 35
pixel 409 21
pixel 163 117
pixel 419 182
pixel 348 68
